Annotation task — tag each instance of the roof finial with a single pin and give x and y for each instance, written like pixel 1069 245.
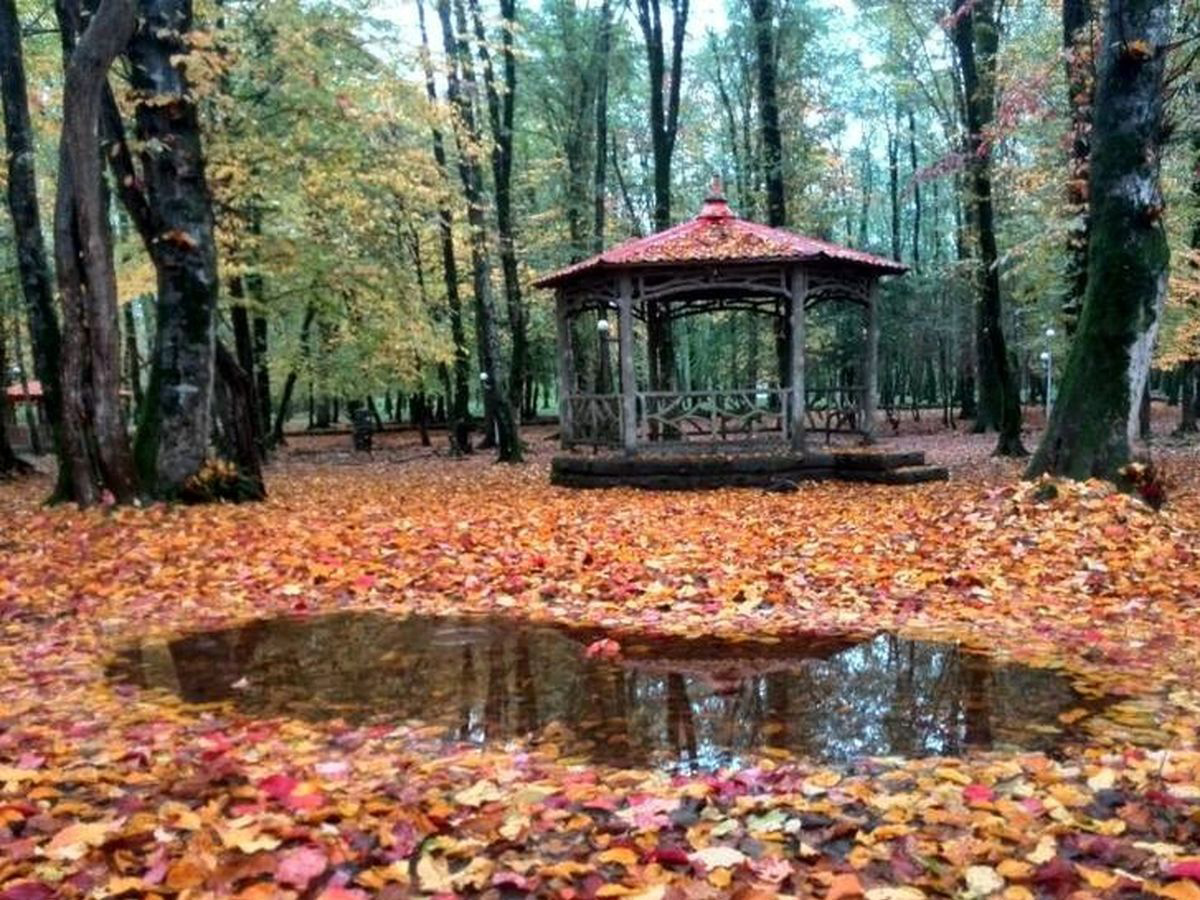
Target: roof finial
pixel 715 206
pixel 716 190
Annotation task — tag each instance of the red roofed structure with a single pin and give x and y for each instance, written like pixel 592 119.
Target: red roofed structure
pixel 711 263
pixel 31 393
pixel 717 236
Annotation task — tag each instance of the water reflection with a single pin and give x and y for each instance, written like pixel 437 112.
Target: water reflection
pixel 694 704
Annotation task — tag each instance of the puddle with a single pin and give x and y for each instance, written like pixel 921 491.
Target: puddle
pixel 674 703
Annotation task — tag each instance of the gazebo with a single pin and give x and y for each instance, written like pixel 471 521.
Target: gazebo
pixel 713 262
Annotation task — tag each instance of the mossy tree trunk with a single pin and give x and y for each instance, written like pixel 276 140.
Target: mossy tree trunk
pixel 1078 22
pixel 95 443
pixel 976 41
pixel 172 438
pixel 1095 419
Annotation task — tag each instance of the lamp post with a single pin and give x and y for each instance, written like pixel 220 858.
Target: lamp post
pixel 602 333
pixel 1048 359
pixel 485 382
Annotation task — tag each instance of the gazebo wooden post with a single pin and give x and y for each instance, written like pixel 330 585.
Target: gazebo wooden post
pixel 871 364
pixel 796 397
pixel 566 370
pixel 629 425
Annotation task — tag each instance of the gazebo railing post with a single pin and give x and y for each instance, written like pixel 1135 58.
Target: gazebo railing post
pixel 796 398
pixel 629 424
pixel 871 365
pixel 566 371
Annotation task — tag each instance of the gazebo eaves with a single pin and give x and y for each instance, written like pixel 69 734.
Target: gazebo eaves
pixel 716 237
pixel 601 263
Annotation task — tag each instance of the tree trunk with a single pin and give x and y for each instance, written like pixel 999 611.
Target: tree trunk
pixel 762 13
pixel 459 411
pixel 1000 405
pixel 289 384
pixel 664 126
pixel 496 388
pixel 238 411
pixel 1078 51
pixel 600 170
pixel 10 464
pixel 1187 397
pixel 133 359
pixel 604 376
pixel 1095 419
pixel 32 416
pixel 32 264
pixel 244 354
pixel 501 105
pixel 262 370
pixel 1145 424
pixel 172 438
pixel 916 188
pixel 893 151
pixel 95 443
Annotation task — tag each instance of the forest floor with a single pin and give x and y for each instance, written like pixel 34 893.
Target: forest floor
pixel 107 790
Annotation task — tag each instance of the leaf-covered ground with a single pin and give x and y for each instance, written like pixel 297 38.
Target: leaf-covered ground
pixel 108 792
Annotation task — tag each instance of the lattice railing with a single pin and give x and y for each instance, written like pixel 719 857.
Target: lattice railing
pixel 713 415
pixel 595 419
pixel 834 410
pixel 750 414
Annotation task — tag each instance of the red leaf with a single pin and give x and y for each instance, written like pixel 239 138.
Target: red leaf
pixel 300 866
pixel 978 793
pixel 278 787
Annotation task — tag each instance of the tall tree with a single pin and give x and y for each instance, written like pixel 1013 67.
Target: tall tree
pixel 460 87
pixel 976 40
pixel 893 151
pixel 1095 419
pixel 762 13
pixel 460 396
pixel 600 163
pixel 32 263
pixel 94 439
pixel 600 171
pixel 1078 53
pixel 665 83
pixel 916 189
pixel 172 438
pixel 501 103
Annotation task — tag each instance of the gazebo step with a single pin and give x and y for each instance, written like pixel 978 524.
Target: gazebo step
pixel 877 461
pixel 705 471
pixel 903 475
pixel 686 482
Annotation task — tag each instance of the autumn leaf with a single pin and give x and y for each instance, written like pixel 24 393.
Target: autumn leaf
pixel 300 866
pixel 75 840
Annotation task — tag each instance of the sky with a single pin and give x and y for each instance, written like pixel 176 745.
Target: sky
pixel 703 16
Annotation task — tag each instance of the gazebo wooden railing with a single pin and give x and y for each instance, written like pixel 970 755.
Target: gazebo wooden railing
pixel 664 417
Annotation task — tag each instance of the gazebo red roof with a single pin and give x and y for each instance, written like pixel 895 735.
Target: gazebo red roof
pixel 37 393
pixel 716 235
pixel 16 395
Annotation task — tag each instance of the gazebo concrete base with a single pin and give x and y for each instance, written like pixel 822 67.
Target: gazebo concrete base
pixel 702 470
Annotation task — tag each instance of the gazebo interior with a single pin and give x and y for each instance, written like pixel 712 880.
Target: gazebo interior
pixel 646 431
